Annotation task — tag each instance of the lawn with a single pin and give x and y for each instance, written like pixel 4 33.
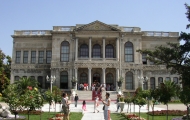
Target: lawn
pixel 46 115
pixel 117 116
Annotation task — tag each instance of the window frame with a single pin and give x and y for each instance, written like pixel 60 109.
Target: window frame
pixel 109 52
pixel 62 54
pixel 129 46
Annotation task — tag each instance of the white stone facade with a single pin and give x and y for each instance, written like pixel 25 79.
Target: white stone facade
pixel 89 52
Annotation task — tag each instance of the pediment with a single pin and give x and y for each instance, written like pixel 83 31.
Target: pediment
pixel 96 26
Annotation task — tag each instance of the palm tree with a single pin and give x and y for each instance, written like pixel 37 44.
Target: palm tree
pixel 23 83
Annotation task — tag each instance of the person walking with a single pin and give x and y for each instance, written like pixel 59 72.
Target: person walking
pixel 96 104
pixel 107 107
pixel 84 105
pixel 65 107
pixel 76 99
pixel 117 102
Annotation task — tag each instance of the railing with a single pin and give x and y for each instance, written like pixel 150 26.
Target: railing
pixel 32 32
pixel 63 28
pixel 131 29
pixel 161 34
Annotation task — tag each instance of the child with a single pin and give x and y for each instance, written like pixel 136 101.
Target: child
pixel 84 105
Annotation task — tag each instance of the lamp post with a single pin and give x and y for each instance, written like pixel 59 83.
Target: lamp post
pixel 142 80
pixel 52 80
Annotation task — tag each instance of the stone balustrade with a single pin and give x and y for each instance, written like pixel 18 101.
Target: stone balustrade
pixel 32 32
pixel 63 28
pixel 161 34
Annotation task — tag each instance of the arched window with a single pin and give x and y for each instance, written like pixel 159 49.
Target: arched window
pixel 152 83
pixel 109 78
pixel 84 51
pixel 129 81
pixel 64 80
pixel 83 78
pixel 109 51
pixel 64 51
pixel 168 79
pixel 32 77
pixel 40 81
pixel 17 78
pixel 175 80
pixel 96 51
pixel 129 55
pixel 160 80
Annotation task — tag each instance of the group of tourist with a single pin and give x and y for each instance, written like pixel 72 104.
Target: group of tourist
pixel 106 104
pixel 95 86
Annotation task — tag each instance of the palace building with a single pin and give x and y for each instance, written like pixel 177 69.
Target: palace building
pixel 94 52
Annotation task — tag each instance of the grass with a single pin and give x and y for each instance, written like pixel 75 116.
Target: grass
pixel 46 115
pixel 117 116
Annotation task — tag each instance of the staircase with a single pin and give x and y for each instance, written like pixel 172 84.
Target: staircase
pixel 87 95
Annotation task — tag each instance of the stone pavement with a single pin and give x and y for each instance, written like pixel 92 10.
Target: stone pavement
pixel 89 115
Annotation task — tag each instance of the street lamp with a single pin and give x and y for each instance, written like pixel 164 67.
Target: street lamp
pixel 142 80
pixel 52 79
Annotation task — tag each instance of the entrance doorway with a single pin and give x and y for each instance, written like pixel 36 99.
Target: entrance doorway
pixel 96 78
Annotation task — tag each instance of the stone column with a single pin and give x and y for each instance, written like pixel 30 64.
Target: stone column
pixel 117 49
pixel 89 78
pixel 21 56
pixel 69 78
pixel 103 49
pixel 90 48
pixel 76 76
pixel 76 49
pixel 117 78
pixel 57 75
pixel 12 77
pixel 103 76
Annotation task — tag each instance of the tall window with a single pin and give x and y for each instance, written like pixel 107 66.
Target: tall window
pixel 84 51
pixel 83 78
pixel 64 80
pixel 152 83
pixel 109 78
pixel 168 79
pixel 129 81
pixel 48 57
pixel 25 57
pixel 144 60
pixel 175 80
pixel 41 57
pixel 129 52
pixel 160 80
pixel 109 51
pixel 65 51
pixel 40 81
pixel 18 55
pixel 17 78
pixel 33 56
pixel 96 51
pixel 32 77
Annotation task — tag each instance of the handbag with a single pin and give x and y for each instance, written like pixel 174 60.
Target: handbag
pixel 103 107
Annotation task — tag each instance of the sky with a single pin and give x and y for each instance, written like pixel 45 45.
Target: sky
pixel 149 15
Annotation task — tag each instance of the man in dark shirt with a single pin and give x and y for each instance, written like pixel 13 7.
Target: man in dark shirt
pixel 76 99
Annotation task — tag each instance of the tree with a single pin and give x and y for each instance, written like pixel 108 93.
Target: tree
pixel 167 90
pixel 5 70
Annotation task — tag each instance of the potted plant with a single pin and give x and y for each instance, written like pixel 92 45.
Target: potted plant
pixel 121 103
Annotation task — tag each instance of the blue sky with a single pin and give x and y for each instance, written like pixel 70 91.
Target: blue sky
pixel 149 15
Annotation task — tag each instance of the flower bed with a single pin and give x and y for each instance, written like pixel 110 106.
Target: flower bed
pixel 34 112
pixel 56 118
pixel 170 112
pixel 131 116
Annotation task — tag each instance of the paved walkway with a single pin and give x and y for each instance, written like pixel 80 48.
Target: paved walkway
pixel 89 115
